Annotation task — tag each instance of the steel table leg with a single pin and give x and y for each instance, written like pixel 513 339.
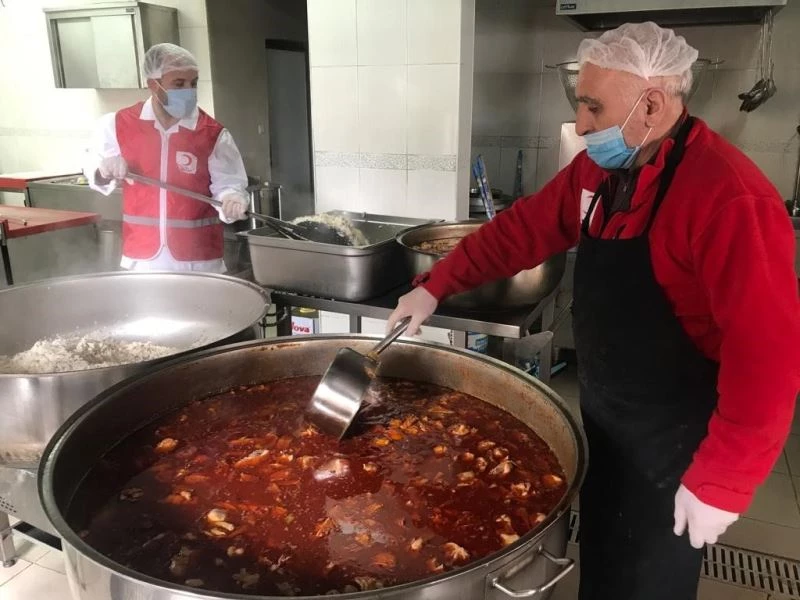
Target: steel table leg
pixel 283 319
pixel 6 263
pixel 355 324
pixel 8 554
pixel 546 355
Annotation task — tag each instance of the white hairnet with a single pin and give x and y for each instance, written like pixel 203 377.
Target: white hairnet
pixel 644 49
pixel 164 58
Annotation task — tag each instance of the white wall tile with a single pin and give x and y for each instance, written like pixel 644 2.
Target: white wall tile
pixel 546 167
pixel 205 96
pixel 466 91
pixel 381 32
pixel 715 43
pixel 780 169
pixel 559 38
pixel 336 188
pixel 432 194
pixel 508 169
pixel 383 191
pixel 195 40
pixel 382 95
pixel 491 158
pixel 434 31
pixel 507 104
pixel 433 109
pixel 555 107
pixel 334 108
pixel 507 38
pixel 192 13
pixel 332 32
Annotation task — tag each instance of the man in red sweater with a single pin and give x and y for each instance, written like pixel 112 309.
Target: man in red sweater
pixel 686 314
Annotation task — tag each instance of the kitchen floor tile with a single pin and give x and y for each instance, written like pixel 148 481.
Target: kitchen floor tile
pixel 716 590
pixel 792 451
pixel 53 560
pixel 708 588
pixel 782 465
pixel 28 550
pixel 8 573
pixel 775 502
pixel 36 583
pixel 766 538
pixel 565 383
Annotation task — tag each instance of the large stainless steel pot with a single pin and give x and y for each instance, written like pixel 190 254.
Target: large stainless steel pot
pixel 173 309
pixel 534 561
pixel 524 289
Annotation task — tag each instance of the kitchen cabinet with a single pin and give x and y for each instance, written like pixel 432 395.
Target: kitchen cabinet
pixel 103 46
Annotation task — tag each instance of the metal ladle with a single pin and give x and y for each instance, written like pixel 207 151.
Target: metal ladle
pixel 338 397
pixel 308 231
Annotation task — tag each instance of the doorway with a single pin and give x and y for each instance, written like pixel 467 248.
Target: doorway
pixel 289 119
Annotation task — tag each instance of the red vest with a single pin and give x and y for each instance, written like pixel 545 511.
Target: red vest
pixel 193 229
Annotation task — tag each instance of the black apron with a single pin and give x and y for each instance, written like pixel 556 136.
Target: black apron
pixel 647 394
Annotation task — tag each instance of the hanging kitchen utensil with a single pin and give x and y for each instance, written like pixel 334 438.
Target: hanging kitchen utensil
pixel 310 231
pixel 794 203
pixel 479 172
pixel 765 87
pixel 338 396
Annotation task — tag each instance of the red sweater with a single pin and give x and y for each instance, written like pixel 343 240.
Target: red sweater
pixel 723 251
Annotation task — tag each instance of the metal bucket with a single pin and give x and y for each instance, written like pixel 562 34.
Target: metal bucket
pixel 526 288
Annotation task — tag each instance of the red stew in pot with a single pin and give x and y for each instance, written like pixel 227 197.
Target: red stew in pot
pixel 238 493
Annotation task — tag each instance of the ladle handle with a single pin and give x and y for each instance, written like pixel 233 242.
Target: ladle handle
pixel 281 227
pixel 384 343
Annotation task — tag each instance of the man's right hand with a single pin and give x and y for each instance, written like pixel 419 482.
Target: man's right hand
pixel 113 167
pixel 419 304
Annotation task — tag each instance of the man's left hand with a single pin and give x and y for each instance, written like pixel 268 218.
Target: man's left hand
pixel 705 523
pixel 234 207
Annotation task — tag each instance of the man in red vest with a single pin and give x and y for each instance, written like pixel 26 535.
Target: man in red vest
pixel 168 137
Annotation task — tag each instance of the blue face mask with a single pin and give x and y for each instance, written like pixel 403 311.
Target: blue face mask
pixel 607 148
pixel 180 102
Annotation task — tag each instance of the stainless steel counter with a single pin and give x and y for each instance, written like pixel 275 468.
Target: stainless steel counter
pixel 513 325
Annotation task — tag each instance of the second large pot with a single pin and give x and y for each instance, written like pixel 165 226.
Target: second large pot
pixel 534 561
pixel 526 288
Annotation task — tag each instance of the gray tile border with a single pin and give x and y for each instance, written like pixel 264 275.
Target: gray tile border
pixel 396 162
pixel 512 141
pixel 421 162
pixel 383 161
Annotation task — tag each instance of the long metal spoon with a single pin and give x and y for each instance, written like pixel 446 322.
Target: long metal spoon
pixel 338 396
pixel 311 232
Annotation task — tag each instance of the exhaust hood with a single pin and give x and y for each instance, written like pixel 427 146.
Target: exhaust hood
pixel 594 15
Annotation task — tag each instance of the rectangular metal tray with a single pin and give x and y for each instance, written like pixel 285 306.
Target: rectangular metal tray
pixel 340 272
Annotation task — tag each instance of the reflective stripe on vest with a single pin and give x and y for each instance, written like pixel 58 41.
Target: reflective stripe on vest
pixel 177 223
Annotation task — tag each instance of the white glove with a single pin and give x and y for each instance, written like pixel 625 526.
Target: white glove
pixel 113 167
pixel 419 304
pixel 234 207
pixel 705 523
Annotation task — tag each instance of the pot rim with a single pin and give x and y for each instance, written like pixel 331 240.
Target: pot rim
pixel 265 296
pixel 525 542
pixel 444 225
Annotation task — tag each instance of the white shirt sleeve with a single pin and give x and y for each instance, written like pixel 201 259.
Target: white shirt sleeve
pixel 103 144
pixel 227 172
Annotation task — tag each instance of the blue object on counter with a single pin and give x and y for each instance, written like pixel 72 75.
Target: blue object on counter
pixel 479 171
pixel 517 193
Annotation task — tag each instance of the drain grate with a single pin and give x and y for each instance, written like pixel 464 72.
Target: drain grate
pixel 744 568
